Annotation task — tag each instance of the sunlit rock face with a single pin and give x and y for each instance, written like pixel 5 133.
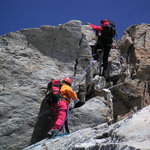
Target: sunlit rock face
pixel 30 58
pixel 131 133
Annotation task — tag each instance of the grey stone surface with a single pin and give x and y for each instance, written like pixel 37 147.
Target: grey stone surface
pixel 129 134
pixel 30 58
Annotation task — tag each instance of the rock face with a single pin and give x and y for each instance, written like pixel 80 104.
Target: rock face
pixel 30 58
pixel 134 46
pixel 131 133
pixel 96 111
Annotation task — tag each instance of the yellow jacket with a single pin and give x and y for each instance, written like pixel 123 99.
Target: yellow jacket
pixel 67 92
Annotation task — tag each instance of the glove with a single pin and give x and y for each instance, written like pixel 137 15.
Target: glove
pixel 72 103
pixel 71 106
pixel 53 133
pixel 87 23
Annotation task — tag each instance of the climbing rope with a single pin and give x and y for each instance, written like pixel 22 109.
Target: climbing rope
pixel 68 114
pixel 67 118
pixel 55 135
pixel 74 86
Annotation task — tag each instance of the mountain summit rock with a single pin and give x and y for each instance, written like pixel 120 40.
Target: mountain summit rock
pixel 112 113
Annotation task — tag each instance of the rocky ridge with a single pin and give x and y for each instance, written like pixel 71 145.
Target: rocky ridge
pixel 31 57
pixel 129 134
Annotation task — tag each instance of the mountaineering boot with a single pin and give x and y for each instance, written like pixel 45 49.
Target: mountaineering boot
pixel 97 54
pixel 99 50
pixel 52 133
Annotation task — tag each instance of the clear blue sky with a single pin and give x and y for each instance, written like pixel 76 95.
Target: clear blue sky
pixel 19 14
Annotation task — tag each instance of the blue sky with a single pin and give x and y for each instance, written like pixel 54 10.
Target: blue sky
pixel 19 14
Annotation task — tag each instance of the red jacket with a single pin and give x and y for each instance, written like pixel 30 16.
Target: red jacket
pixel 98 29
pixel 59 109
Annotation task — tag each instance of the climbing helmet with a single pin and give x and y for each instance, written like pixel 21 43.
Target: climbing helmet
pixel 68 80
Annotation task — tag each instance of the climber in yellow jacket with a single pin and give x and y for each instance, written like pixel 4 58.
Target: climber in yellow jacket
pixel 59 109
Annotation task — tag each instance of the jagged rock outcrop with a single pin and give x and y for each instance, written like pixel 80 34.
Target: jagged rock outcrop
pixel 29 58
pixel 134 46
pixel 129 97
pixel 95 111
pixel 129 134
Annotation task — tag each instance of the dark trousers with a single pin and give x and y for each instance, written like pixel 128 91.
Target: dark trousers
pixel 104 42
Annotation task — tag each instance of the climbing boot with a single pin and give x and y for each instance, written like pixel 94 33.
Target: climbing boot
pixel 95 56
pixel 99 50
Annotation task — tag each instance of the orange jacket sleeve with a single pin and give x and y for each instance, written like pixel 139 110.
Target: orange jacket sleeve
pixel 67 92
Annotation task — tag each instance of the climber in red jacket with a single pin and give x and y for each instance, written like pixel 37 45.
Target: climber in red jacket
pixel 59 109
pixel 104 41
pixel 98 29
